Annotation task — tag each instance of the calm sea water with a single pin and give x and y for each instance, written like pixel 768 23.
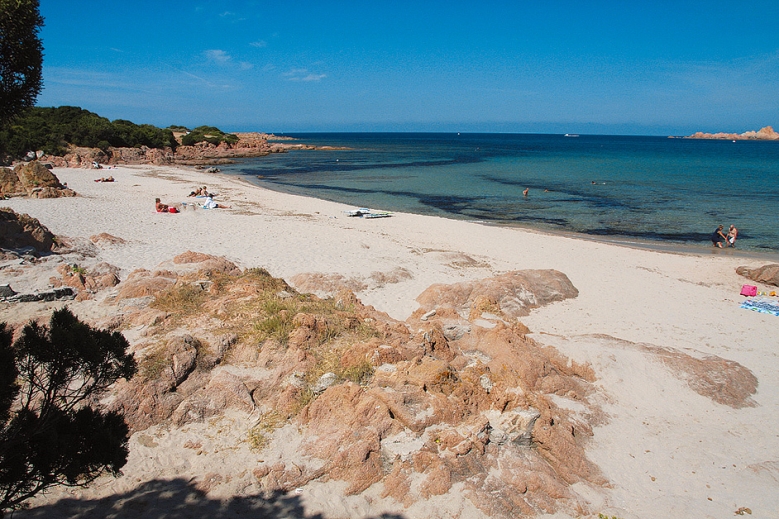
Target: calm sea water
pixel 674 191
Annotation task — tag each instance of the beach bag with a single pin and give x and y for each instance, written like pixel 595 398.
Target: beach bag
pixel 748 290
pixel 172 210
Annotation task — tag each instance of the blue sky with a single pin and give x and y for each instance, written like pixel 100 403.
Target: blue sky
pixel 640 67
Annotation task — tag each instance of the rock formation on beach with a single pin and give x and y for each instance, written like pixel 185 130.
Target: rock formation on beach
pixel 460 401
pixel 456 400
pixel 21 231
pixel 31 179
pixel 288 389
pixel 768 274
pixel 764 134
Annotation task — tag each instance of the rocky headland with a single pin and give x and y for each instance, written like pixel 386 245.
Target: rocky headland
pixel 250 144
pixel 764 134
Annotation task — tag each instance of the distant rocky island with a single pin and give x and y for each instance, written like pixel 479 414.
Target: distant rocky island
pixel 764 134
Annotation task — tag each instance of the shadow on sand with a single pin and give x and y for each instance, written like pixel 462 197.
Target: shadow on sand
pixel 176 499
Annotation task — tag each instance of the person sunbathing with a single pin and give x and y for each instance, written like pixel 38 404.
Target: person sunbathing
pixel 210 204
pixel 160 207
pixel 201 191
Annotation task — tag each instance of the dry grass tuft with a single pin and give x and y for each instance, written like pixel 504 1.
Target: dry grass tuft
pixel 259 436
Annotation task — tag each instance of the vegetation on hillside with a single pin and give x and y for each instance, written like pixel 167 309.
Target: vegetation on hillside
pixel 53 129
pixel 208 134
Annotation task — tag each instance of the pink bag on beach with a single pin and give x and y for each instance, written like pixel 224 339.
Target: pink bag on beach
pixel 748 290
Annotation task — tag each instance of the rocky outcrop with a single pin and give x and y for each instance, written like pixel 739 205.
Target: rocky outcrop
pixel 462 402
pixel 764 134
pixel 250 144
pixel 18 231
pixel 86 282
pixel 768 274
pixel 515 293
pixel 206 263
pixel 144 283
pixel 32 179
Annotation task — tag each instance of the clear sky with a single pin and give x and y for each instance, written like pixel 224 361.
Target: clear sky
pixel 619 67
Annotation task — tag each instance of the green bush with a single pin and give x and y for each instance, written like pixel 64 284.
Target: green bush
pixel 208 134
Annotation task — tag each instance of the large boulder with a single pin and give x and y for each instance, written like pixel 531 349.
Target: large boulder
pixel 9 183
pixel 21 230
pixel 32 179
pixel 768 274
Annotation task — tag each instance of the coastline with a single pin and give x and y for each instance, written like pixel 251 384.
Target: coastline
pixel 622 241
pixel 649 245
pixel 663 448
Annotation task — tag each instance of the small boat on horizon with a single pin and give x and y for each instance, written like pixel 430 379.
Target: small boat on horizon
pixel 571 135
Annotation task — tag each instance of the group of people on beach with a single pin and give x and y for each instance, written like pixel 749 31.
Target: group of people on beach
pixel 719 236
pixel 200 192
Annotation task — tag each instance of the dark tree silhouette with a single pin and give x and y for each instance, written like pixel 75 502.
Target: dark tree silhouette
pixel 52 430
pixel 21 56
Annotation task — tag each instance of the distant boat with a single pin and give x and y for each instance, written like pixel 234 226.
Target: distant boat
pixel 571 135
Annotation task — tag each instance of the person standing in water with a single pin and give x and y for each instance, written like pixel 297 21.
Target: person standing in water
pixel 732 235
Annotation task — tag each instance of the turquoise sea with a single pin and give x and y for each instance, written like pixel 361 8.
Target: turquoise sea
pixel 664 191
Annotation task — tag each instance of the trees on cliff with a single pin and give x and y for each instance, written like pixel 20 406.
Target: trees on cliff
pixel 208 134
pixel 51 428
pixel 53 129
pixel 21 56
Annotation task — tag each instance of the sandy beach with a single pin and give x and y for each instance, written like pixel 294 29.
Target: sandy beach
pixel 669 447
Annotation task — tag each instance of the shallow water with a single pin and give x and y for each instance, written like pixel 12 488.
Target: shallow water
pixel 656 189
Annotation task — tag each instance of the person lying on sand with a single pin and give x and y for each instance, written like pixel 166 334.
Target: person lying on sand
pixel 210 204
pixel 104 179
pixel 164 208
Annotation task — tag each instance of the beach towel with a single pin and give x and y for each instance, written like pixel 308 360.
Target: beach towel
pixel 763 305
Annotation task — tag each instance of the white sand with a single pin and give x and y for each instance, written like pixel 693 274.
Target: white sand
pixel 667 451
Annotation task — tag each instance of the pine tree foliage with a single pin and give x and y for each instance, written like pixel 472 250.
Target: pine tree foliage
pixel 21 56
pixel 53 431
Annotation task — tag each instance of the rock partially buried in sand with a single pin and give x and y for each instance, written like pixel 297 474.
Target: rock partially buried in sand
pixel 513 294
pixel 768 274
